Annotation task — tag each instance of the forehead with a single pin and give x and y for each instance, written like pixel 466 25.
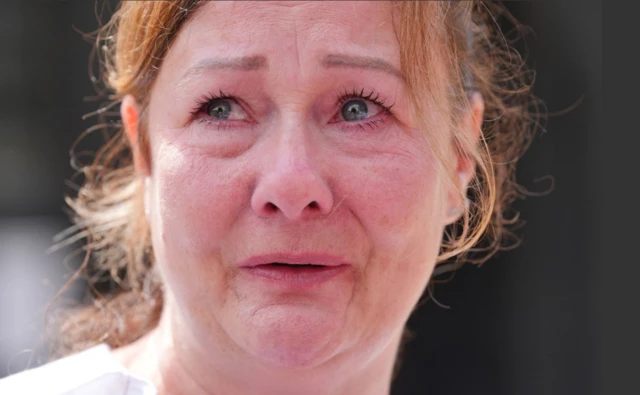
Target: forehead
pixel 305 27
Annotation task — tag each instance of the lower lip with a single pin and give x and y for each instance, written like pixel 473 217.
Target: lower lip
pixel 296 276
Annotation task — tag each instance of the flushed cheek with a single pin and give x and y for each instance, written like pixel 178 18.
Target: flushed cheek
pixel 397 201
pixel 395 195
pixel 198 197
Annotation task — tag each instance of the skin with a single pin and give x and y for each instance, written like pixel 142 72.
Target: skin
pixel 286 174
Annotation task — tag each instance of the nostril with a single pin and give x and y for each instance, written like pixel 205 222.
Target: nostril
pixel 293 197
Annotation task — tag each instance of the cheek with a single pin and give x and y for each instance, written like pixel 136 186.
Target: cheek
pixel 396 194
pixel 197 198
pixel 398 198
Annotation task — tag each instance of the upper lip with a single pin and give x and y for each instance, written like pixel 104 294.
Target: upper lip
pixel 313 258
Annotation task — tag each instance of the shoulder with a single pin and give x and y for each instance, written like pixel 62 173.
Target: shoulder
pixel 93 371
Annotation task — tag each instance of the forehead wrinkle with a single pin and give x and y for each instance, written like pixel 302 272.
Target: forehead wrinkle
pixel 287 4
pixel 296 43
pixel 303 30
pixel 240 63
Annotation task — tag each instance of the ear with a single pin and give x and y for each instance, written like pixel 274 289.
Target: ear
pixel 130 114
pixel 465 164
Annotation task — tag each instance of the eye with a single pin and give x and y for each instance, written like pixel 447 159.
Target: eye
pixel 357 106
pixel 225 109
pixel 355 110
pixel 219 109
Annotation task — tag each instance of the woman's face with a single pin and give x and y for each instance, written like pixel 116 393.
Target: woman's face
pixel 282 133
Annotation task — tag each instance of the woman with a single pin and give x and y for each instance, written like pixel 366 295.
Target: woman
pixel 297 170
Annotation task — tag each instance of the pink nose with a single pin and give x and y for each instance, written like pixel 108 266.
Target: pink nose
pixel 291 181
pixel 296 192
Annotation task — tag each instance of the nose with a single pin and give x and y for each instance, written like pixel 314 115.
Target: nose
pixel 291 184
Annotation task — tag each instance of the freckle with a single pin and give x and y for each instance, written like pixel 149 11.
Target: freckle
pixel 384 220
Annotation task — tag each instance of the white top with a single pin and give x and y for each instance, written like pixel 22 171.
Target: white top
pixel 91 372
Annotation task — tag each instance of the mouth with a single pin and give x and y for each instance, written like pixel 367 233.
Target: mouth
pixel 301 260
pixel 297 272
pixel 294 265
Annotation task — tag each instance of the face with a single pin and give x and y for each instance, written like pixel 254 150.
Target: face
pixel 281 135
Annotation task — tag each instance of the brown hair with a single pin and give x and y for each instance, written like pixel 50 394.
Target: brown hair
pixel 109 210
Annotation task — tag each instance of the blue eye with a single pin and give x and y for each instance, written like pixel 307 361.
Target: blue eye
pixel 219 109
pixel 355 110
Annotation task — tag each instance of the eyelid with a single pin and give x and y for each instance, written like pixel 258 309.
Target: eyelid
pixel 372 96
pixel 205 101
pixel 236 108
pixel 368 95
pixel 360 94
pixel 380 110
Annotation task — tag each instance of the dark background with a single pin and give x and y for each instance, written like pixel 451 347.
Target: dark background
pixel 526 322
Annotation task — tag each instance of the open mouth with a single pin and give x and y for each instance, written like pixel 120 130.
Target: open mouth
pixel 295 271
pixel 296 275
pixel 291 265
pixel 294 267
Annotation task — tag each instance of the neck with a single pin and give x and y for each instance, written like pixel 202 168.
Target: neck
pixel 169 358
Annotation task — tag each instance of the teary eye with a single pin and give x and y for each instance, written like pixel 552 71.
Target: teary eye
pixel 355 110
pixel 219 109
pixel 356 105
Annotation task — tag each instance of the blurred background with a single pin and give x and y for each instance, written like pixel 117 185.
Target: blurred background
pixel 523 323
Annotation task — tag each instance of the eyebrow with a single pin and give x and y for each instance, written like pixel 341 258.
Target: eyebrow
pixel 258 62
pixel 242 63
pixel 360 62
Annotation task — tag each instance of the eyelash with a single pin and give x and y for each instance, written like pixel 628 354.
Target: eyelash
pixel 345 96
pixel 373 97
pixel 204 101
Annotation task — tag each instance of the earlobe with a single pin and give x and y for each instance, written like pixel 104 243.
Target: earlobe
pixel 472 129
pixel 476 114
pixel 130 114
pixel 466 165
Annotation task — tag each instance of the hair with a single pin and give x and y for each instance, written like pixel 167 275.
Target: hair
pixel 471 51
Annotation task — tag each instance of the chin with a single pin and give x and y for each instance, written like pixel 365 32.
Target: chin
pixel 293 337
